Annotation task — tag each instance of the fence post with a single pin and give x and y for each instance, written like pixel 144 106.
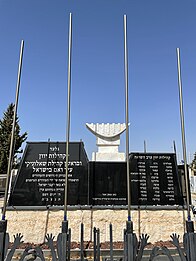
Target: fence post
pixel 98 244
pixel 64 240
pixel 95 243
pixel 3 228
pixel 69 244
pixel 82 242
pixel 125 244
pixel 130 242
pixel 190 246
pixel 111 243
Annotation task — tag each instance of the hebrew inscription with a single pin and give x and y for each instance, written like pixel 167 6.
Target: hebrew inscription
pixel 41 178
pixel 154 179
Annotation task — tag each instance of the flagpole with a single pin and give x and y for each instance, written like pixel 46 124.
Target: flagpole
pixel 127 122
pixel 145 146
pixel 183 134
pixel 11 151
pixel 68 116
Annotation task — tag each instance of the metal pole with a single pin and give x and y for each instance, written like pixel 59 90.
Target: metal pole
pixel 68 115
pixel 183 133
pixel 82 242
pixel 174 147
pixel 144 146
pixel 69 245
pixel 98 245
pixel 11 152
pixel 125 244
pixel 95 243
pixel 111 243
pixel 127 117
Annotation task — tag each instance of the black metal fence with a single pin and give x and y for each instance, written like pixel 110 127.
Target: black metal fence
pixel 133 247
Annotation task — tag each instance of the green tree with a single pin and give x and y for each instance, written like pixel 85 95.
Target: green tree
pixel 5 138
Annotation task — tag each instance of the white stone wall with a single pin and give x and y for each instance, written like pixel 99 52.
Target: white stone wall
pixel 34 225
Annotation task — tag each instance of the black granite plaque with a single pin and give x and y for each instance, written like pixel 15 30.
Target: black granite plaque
pixel 155 179
pixel 181 174
pixel 107 183
pixel 41 177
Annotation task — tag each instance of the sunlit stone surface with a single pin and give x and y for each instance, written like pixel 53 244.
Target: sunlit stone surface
pixel 108 141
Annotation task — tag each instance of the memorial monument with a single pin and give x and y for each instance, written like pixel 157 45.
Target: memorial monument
pixel 108 141
pixel 154 181
pixel 154 178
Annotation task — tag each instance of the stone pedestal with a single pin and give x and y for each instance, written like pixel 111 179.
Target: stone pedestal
pixel 159 224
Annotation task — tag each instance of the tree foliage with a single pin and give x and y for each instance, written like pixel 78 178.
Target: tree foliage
pixel 5 138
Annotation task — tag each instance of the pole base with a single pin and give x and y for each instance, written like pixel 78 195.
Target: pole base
pixel 189 226
pixel 65 226
pixel 3 226
pixel 129 227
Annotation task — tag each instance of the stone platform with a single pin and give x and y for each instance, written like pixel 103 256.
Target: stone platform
pixel 35 224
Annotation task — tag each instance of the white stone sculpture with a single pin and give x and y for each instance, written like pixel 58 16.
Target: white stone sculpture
pixel 108 141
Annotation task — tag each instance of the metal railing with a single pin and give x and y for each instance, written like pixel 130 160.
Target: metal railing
pixel 133 248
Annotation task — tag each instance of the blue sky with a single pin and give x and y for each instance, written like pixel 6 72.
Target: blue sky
pixel 155 29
